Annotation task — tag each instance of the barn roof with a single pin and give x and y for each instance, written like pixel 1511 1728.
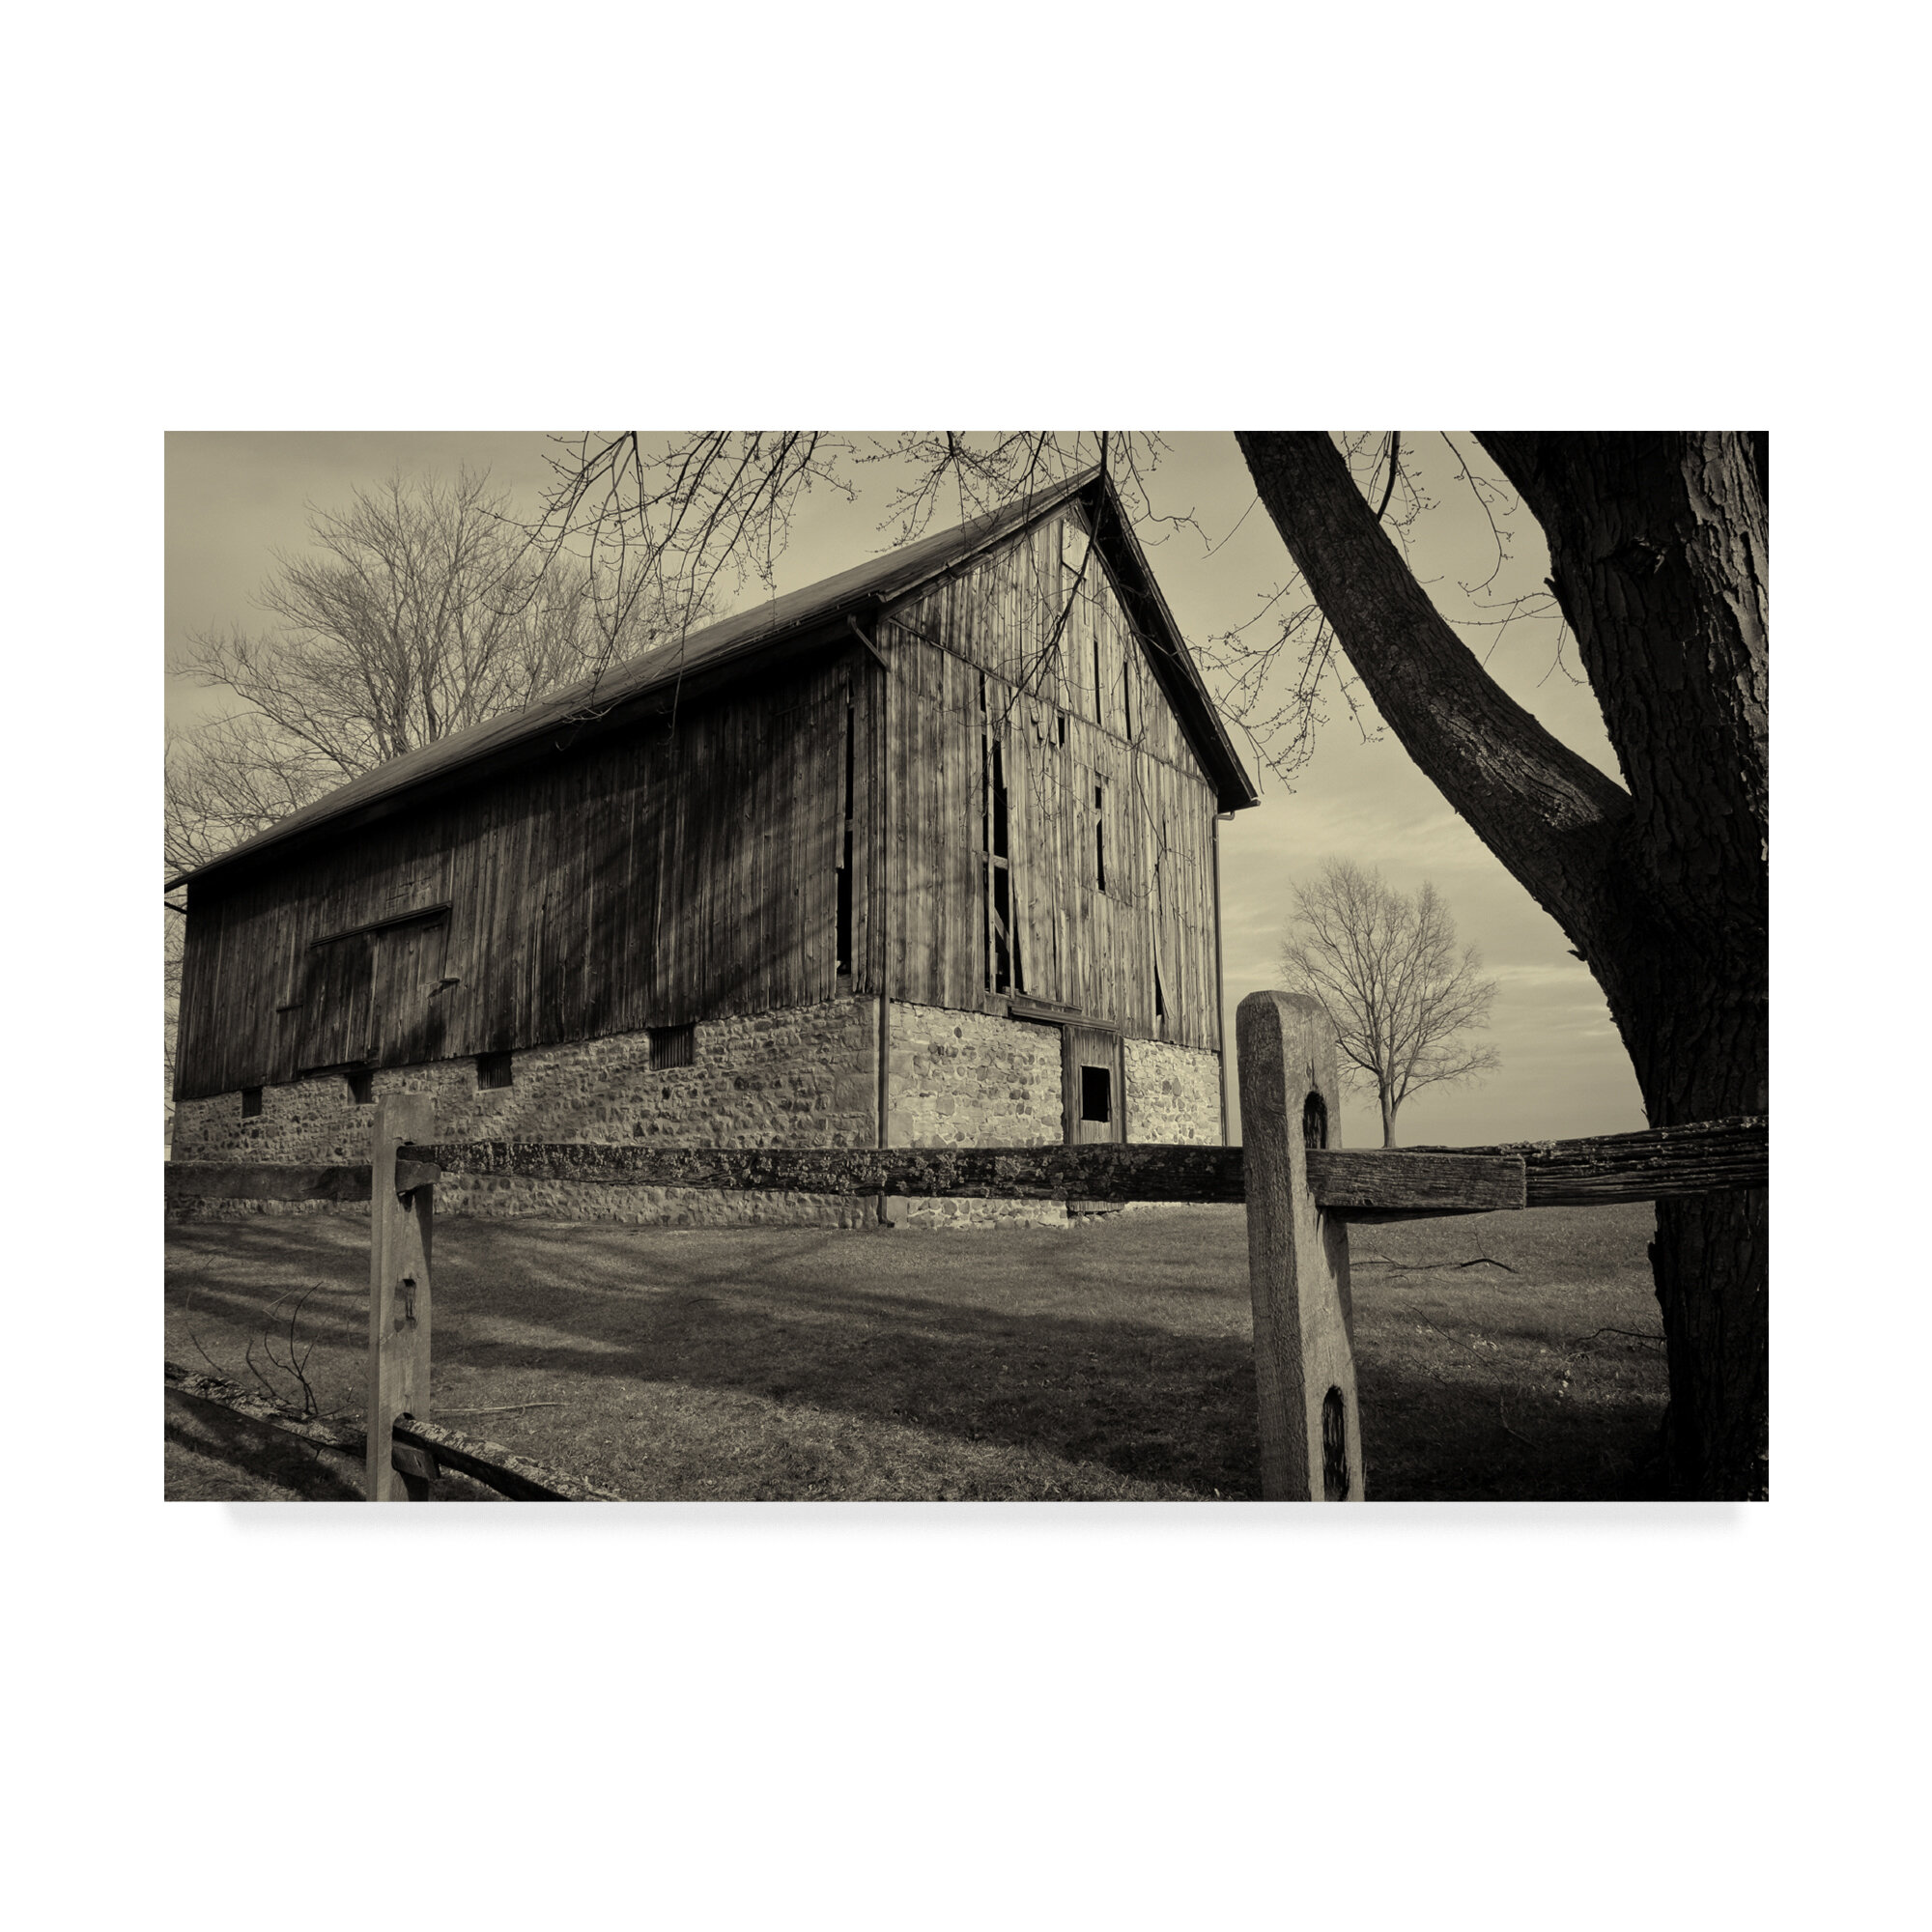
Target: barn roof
pixel 736 640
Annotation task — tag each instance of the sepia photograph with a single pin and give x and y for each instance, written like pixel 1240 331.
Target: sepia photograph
pixel 1010 967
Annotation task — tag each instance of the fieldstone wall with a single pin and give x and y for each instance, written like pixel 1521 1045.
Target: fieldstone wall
pixel 803 1077
pixel 1173 1093
pixel 973 1080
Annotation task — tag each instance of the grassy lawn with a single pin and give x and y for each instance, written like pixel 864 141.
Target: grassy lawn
pixel 1102 1363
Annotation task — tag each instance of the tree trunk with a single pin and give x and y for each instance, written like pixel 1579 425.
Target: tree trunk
pixel 1388 1119
pixel 1658 559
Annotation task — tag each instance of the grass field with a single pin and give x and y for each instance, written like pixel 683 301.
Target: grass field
pixel 1102 1363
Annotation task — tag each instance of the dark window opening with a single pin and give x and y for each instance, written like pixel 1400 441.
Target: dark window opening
pixel 361 1087
pixel 493 1069
pixel 1315 1122
pixel 251 1102
pixel 671 1046
pixel 1334 1447
pixel 1159 997
pixel 1097 1093
pixel 1006 942
pixel 1100 838
pixel 1062 728
pixel 1126 696
pixel 1004 971
pixel 983 691
pixel 1099 696
pixel 844 964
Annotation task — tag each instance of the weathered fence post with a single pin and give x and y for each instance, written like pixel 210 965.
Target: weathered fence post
pixel 1311 1433
pixel 399 1306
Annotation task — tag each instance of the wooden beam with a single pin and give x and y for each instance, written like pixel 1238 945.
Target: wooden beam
pixel 517 1477
pixel 215 1181
pixel 1657 1164
pixel 1401 1182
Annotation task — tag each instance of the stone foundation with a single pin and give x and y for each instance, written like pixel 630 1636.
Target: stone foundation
pixel 803 1077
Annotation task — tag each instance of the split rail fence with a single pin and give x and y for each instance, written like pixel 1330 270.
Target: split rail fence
pixel 1300 1196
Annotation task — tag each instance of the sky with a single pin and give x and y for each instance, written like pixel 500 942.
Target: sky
pixel 235 499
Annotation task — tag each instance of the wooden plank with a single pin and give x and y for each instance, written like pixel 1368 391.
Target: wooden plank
pixel 1345 1179
pixel 214 1180
pixel 1654 1164
pixel 399 1288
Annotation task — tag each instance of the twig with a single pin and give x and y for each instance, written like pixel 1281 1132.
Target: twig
pixel 1503 1415
pixel 1635 1335
pixel 1413 1267
pixel 498 1411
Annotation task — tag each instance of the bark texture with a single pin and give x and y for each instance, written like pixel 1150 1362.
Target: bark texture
pixel 1658 560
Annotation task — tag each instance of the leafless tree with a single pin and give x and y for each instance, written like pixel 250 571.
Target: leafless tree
pixel 1401 998
pixel 420 610
pixel 1658 572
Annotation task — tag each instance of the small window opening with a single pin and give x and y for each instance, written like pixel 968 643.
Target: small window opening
pixel 1099 693
pixel 999 804
pixel 845 965
pixel 493 1069
pixel 983 691
pixel 671 1046
pixel 1315 1122
pixel 251 1102
pixel 1334 1447
pixel 361 1087
pixel 1097 1093
pixel 1062 728
pixel 1100 838
pixel 1160 996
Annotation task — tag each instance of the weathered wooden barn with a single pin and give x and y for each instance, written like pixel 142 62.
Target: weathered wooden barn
pixel 923 855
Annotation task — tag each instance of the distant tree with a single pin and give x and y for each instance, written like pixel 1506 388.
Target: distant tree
pixel 1401 998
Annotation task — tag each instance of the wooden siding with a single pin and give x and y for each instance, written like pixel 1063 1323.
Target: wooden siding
pixel 650 879
pixel 1030 628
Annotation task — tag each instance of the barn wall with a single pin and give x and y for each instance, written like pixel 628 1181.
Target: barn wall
pixel 1031 652
pixel 667 875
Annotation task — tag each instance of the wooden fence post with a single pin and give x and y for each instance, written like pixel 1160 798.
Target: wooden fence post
pixel 1311 1434
pixel 399 1305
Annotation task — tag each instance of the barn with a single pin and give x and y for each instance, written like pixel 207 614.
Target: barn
pixel 923 855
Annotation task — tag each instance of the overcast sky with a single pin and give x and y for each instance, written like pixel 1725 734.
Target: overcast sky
pixel 234 500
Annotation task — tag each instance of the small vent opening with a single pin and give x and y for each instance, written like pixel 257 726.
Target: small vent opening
pixel 361 1087
pixel 251 1102
pixel 493 1069
pixel 1315 1122
pixel 671 1046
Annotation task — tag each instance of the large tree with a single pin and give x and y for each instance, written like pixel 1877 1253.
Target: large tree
pixel 1659 561
pixel 1658 547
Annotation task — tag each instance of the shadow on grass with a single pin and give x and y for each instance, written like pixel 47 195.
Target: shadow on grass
pixel 1124 1349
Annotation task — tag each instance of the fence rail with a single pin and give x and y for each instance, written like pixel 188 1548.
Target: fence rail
pixel 1354 1183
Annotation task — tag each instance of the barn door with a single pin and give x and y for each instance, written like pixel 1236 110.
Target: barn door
pixel 1091 1086
pixel 405 1016
pixel 335 1001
